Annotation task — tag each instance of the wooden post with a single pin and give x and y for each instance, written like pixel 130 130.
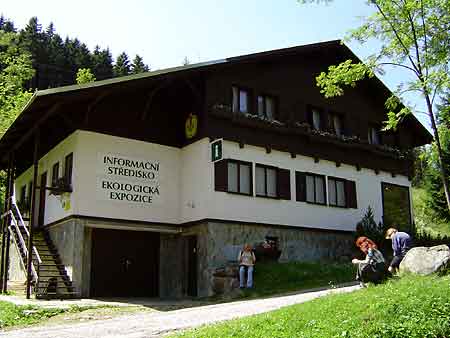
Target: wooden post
pixel 33 211
pixel 4 227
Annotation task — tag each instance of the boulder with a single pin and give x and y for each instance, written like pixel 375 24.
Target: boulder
pixel 425 261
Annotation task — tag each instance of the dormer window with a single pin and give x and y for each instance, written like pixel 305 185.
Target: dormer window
pixel 266 107
pixel 240 100
pixel 373 135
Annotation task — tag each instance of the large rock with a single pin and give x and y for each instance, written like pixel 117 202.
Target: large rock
pixel 425 261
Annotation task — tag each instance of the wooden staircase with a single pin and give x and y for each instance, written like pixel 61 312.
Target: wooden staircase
pixel 49 275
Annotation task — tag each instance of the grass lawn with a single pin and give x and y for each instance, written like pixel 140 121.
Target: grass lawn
pixel 411 307
pixel 273 278
pixel 13 315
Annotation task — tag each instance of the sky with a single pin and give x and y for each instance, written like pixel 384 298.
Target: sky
pixel 165 32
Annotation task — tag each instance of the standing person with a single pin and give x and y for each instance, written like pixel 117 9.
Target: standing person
pixel 373 267
pixel 401 243
pixel 246 260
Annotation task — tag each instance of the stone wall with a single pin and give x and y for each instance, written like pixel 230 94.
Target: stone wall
pixel 73 241
pixel 223 241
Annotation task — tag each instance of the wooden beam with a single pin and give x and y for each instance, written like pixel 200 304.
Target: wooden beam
pixel 94 105
pixel 33 210
pixel 36 126
pixel 4 229
pixel 150 97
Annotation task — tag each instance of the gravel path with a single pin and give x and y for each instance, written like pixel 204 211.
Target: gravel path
pixel 156 324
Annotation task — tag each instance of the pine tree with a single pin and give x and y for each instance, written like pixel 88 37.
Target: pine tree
pixel 122 66
pixel 138 65
pixel 102 63
pixel 6 25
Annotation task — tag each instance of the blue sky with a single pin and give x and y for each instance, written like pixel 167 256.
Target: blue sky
pixel 165 32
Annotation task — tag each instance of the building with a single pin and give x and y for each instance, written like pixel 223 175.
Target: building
pixel 147 184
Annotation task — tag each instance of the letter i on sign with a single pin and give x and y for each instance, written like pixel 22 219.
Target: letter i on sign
pixel 216 150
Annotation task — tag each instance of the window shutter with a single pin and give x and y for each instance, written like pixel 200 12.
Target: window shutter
pixel 284 184
pixel 300 186
pixel 221 175
pixel 350 194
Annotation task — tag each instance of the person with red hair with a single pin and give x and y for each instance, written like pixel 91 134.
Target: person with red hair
pixel 373 267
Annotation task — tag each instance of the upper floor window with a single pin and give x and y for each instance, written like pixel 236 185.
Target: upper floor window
pixel 233 176
pixel 55 173
pixel 373 135
pixel 68 166
pixel 310 188
pixel 316 119
pixel 336 123
pixel 266 107
pixel 241 99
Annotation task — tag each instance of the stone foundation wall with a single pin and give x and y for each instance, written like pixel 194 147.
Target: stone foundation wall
pixel 73 241
pixel 223 241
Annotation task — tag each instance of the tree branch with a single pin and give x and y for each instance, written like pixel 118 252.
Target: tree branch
pixel 422 13
pixel 397 36
pixel 398 65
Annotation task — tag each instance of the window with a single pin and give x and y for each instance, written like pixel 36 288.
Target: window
pixel 373 135
pixel 265 181
pixel 336 192
pixel 316 118
pixel 233 176
pixel 342 193
pixel 336 123
pixel 241 100
pixel 396 206
pixel 266 107
pixel 68 165
pixel 310 188
pixel 55 173
pixel 23 193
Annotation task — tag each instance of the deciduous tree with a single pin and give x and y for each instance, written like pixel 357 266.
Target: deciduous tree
pixel 413 35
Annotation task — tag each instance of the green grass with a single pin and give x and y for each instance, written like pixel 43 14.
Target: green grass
pixel 273 278
pixel 13 315
pixel 412 307
pixel 425 219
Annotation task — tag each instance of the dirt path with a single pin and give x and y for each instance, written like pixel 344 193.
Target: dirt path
pixel 156 324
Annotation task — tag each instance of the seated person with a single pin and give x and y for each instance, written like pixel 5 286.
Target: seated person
pixel 401 243
pixel 246 260
pixel 373 267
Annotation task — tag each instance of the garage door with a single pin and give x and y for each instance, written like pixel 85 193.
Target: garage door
pixel 124 263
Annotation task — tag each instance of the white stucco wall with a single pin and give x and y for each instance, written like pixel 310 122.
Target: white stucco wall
pixel 54 208
pixel 258 209
pixel 185 181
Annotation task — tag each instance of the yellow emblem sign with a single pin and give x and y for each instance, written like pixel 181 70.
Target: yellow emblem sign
pixel 191 126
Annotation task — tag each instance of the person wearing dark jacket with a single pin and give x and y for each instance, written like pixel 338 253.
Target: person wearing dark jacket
pixel 401 243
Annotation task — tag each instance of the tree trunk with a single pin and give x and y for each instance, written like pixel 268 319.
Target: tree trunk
pixel 439 149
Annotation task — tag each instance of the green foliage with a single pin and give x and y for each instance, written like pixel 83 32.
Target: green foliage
pixel 397 309
pixel 272 278
pixel 138 65
pixel 15 71
pixel 413 36
pixel 122 66
pixel 369 228
pixel 84 75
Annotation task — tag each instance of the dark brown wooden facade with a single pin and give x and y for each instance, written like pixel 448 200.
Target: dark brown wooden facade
pixel 153 107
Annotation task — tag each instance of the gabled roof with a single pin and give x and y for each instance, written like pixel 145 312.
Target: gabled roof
pixel 36 110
